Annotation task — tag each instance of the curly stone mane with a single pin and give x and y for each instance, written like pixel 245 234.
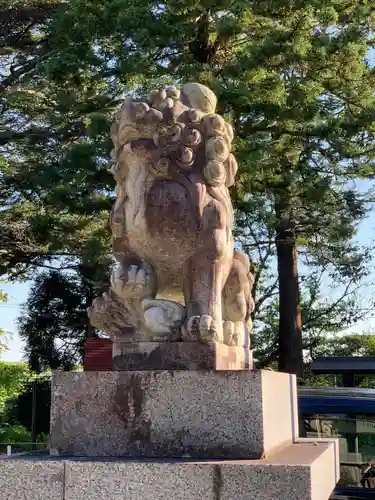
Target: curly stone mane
pixel 186 138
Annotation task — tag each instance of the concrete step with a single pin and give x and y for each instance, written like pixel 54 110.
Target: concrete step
pixel 303 471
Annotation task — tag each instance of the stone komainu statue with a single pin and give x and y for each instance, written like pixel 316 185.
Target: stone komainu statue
pixel 172 222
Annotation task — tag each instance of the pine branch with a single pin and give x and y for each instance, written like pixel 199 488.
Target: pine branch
pixel 14 76
pixel 333 306
pixel 270 291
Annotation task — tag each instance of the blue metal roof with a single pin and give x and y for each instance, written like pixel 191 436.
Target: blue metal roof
pixel 344 364
pixel 353 494
pixel 336 400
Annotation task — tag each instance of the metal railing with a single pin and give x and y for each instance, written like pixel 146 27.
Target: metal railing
pixel 23 448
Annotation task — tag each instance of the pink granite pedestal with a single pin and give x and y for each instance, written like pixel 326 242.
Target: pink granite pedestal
pixel 181 435
pixel 202 414
pixel 302 471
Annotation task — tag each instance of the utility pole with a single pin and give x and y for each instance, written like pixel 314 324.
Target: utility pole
pixel 33 416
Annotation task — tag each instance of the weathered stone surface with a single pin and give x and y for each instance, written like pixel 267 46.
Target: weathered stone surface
pixel 183 481
pixel 180 356
pixel 303 471
pixel 243 414
pixel 31 479
pixel 172 224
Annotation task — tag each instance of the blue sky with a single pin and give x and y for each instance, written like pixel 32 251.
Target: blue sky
pixel 8 314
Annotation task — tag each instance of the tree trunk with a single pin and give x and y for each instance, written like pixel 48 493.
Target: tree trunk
pixel 290 321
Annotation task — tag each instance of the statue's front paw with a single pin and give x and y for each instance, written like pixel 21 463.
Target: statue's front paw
pixel 203 328
pixel 131 283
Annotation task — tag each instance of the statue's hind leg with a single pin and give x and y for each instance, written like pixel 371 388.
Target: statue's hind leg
pixel 238 303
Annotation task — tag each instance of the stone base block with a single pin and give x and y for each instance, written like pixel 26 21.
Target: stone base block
pixel 179 356
pixel 303 471
pixel 238 414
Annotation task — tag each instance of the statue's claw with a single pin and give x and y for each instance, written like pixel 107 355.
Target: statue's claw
pixel 203 328
pixel 131 283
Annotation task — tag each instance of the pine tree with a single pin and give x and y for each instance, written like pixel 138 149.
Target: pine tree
pixel 309 111
pixel 54 322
